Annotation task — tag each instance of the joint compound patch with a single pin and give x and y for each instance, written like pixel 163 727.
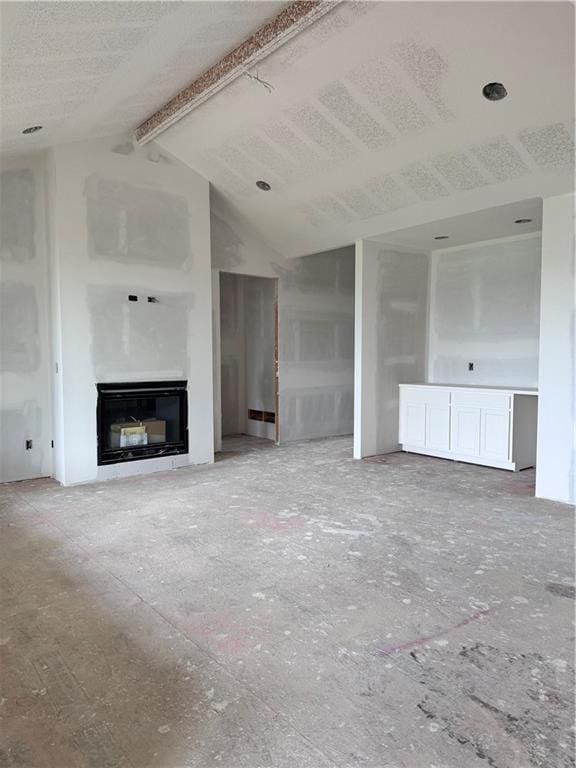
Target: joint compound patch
pixel 134 225
pixel 19 333
pixel 17 225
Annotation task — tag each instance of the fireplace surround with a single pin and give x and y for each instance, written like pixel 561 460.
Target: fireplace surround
pixel 141 420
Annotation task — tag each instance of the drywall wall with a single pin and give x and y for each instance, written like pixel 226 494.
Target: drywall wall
pixel 556 454
pixel 259 294
pixel 233 354
pixel 25 407
pixel 316 325
pixel 390 340
pixel 316 345
pixel 247 312
pixel 128 223
pixel 485 309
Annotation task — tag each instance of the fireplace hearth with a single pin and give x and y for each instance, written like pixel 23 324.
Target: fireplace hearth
pixel 141 420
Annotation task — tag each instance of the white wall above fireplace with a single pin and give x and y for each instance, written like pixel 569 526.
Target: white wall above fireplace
pixel 127 223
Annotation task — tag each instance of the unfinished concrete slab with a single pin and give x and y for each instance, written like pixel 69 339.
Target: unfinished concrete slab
pixel 288 607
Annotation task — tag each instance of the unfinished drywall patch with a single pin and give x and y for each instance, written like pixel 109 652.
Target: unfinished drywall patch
pixel 140 338
pixel 378 81
pixel 484 309
pixel 391 299
pixel 421 181
pixel 321 131
pixel 459 171
pixel 134 225
pixel 17 216
pixel 550 145
pixel 389 193
pixel 316 303
pixel 500 158
pixel 226 244
pixel 359 202
pixel 338 100
pixel 427 69
pixel 19 342
pixel 24 321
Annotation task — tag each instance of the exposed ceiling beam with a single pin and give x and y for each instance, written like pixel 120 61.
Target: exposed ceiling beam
pixel 268 38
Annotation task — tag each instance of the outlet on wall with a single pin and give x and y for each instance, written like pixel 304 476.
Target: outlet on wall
pixel 470 366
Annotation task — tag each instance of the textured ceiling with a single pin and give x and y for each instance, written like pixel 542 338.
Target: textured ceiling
pixel 373 120
pixel 84 69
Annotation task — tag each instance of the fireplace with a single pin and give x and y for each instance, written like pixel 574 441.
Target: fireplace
pixel 141 420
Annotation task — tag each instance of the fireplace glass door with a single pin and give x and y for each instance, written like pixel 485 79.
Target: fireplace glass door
pixel 141 420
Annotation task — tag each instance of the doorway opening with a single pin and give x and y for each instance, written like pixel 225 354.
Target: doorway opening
pixel 248 359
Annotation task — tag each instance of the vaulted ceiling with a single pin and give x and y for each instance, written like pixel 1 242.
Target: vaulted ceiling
pixel 85 69
pixel 369 121
pixel 373 120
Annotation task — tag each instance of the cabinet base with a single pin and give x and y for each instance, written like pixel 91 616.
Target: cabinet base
pixel 511 466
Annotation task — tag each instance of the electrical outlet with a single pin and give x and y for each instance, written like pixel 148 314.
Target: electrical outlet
pixel 28 445
pixel 470 366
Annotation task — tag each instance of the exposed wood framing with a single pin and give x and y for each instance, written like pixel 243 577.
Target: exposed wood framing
pixel 268 38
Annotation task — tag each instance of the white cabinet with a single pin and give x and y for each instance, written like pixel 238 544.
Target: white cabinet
pixel 465 430
pixel 491 426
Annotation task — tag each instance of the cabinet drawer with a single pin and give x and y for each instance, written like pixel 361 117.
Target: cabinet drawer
pixel 437 397
pixel 496 401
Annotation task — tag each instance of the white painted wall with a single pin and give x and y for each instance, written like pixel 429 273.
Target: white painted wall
pixel 485 309
pixel 126 224
pixel 390 340
pixel 556 457
pixel 25 405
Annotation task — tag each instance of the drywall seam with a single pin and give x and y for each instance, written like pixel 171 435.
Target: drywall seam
pixel 283 27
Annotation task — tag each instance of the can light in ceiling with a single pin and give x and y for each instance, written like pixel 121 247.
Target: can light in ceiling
pixel 442 237
pixel 32 129
pixel 522 221
pixel 494 92
pixel 264 186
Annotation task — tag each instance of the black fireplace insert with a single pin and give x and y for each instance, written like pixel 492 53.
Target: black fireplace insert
pixel 141 420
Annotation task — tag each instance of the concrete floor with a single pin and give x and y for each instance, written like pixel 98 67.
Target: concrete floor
pixel 288 608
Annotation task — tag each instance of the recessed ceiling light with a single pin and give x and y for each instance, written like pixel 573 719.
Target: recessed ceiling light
pixel 264 186
pixel 494 91
pixel 522 221
pixel 442 237
pixel 32 129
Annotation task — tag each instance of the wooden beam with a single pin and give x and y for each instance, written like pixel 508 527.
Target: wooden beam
pixel 268 38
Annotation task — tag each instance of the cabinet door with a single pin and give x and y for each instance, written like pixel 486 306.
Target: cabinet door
pixel 495 432
pixel 413 424
pixel 465 430
pixel 437 427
